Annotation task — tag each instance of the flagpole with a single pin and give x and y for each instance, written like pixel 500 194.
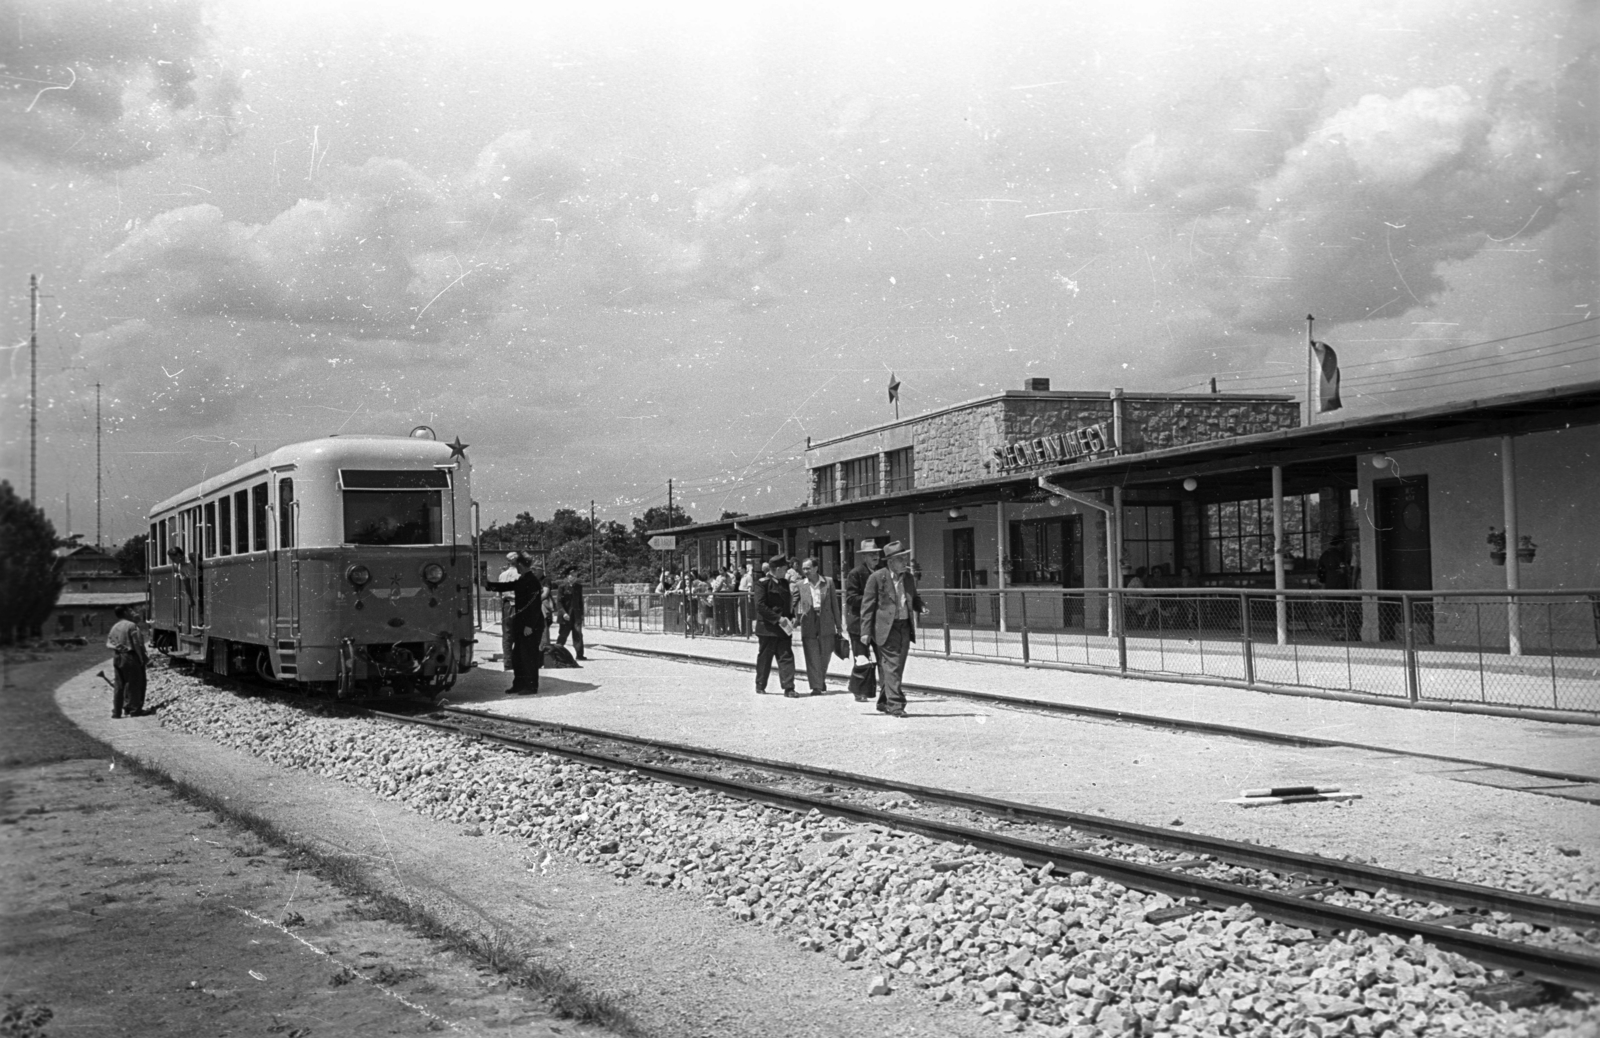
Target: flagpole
pixel 1310 369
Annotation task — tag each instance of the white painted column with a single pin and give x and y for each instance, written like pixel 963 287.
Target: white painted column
pixel 1114 561
pixel 911 533
pixel 1282 605
pixel 1000 557
pixel 1508 495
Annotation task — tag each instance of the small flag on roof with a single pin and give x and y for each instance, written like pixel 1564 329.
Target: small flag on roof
pixel 1328 382
pixel 894 389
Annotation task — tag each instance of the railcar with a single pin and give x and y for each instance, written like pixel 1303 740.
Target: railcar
pixel 342 566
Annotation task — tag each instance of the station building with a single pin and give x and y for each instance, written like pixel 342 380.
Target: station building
pixel 1046 490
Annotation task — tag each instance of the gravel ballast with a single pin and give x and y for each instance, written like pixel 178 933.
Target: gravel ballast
pixel 1038 952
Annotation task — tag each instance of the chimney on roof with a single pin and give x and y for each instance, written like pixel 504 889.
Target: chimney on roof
pixel 1036 385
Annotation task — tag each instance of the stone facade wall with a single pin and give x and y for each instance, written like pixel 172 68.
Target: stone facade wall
pixel 955 446
pixel 1151 424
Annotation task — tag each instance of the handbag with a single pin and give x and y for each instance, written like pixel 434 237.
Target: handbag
pixel 841 646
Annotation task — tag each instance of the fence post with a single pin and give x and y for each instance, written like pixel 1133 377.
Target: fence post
pixel 947 628
pixel 1412 691
pixel 1024 597
pixel 1115 597
pixel 1244 637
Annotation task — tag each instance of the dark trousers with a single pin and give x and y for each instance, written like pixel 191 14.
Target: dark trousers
pixel 507 607
pixel 574 627
pixel 818 647
pixel 774 647
pixel 864 676
pixel 127 693
pixel 892 655
pixel 526 658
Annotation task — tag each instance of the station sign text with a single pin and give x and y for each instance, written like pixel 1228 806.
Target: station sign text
pixel 1055 448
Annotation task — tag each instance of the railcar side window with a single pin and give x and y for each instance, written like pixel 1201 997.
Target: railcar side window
pixel 258 516
pixel 225 525
pixel 286 513
pixel 241 522
pixel 211 528
pixel 153 546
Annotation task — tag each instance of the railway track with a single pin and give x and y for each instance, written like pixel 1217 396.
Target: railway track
pixel 1286 897
pixel 1157 721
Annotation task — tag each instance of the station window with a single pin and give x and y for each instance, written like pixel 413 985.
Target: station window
pixel 224 525
pixel 211 528
pixel 286 513
pixel 241 521
pixel 1238 534
pixel 1047 551
pixel 823 490
pixel 861 478
pixel 900 471
pixel 258 517
pixel 1149 537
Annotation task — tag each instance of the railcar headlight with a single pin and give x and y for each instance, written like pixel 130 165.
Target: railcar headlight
pixel 358 575
pixel 433 573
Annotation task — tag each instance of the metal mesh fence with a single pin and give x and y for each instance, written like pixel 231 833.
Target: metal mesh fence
pixel 1535 649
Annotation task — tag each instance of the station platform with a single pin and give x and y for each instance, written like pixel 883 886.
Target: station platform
pixel 1564 745
pixel 1440 817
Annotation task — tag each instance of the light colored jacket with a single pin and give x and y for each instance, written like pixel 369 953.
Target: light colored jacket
pixel 816 623
pixel 878 606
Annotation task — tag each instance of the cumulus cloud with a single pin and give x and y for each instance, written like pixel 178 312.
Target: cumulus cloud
pixel 106 86
pixel 1361 215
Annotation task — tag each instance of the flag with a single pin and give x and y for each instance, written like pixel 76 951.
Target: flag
pixel 1328 368
pixel 894 389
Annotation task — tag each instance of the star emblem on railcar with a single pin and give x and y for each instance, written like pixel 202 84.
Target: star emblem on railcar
pixel 458 449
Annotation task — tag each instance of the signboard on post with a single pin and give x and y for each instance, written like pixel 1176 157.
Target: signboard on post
pixel 663 542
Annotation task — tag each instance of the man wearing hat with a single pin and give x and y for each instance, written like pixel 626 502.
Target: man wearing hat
pixel 507 576
pixel 525 621
pixel 889 608
pixel 773 606
pixel 863 672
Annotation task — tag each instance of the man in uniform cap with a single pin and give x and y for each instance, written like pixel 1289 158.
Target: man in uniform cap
pixel 863 671
pixel 507 576
pixel 889 608
pixel 773 605
pixel 526 623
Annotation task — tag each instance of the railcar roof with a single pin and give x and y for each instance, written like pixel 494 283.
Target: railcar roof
pixel 372 451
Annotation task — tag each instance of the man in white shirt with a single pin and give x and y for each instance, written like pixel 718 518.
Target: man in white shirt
pixel 126 639
pixel 507 606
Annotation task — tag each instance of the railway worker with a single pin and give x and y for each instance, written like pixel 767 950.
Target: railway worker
pixel 772 603
pixel 889 608
pixel 126 640
pixel 526 621
pixel 816 603
pixel 570 600
pixel 507 604
pixel 863 671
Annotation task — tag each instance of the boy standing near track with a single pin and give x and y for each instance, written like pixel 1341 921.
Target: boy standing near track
pixel 126 639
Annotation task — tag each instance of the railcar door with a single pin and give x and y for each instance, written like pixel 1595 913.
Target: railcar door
pixel 285 569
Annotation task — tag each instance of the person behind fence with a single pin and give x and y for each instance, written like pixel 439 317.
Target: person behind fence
pixel 816 602
pixel 526 621
pixel 863 670
pixel 570 601
pixel 126 640
pixel 1333 571
pixel 507 604
pixel 772 603
pixel 889 608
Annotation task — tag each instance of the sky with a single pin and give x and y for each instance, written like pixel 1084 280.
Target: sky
pixel 607 245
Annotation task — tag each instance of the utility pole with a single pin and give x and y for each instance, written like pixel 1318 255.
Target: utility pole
pixel 591 544
pixel 33 389
pixel 97 541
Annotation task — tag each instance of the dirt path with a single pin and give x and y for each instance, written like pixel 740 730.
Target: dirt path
pixel 127 910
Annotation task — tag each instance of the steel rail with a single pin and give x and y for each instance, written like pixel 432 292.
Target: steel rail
pixel 1547 964
pixel 1152 720
pixel 1541 911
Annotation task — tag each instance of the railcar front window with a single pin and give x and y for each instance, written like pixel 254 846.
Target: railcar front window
pixel 392 517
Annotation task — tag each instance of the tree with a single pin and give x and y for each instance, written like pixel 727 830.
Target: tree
pixel 659 518
pixel 30 575
pixel 131 557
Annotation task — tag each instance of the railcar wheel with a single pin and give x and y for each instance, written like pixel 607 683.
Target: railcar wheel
pixel 264 666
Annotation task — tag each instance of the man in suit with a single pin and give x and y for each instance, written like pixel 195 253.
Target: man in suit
pixel 772 603
pixel 816 610
pixel 863 671
pixel 569 607
pixel 889 608
pixel 526 620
